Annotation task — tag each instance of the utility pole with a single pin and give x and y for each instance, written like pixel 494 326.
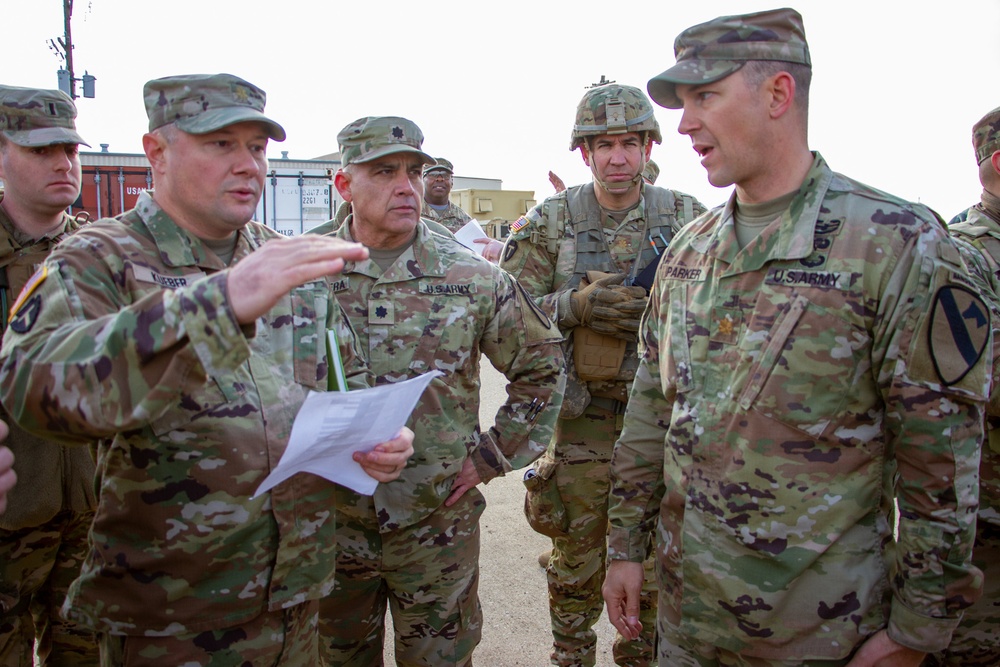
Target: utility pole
pixel 63 47
pixel 67 44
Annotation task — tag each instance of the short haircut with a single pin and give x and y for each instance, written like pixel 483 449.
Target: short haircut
pixel 756 71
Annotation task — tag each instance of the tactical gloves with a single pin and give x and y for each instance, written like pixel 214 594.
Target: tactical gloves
pixel 609 307
pixel 580 299
pixel 617 311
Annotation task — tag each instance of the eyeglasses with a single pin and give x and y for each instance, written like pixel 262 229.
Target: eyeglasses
pixel 437 176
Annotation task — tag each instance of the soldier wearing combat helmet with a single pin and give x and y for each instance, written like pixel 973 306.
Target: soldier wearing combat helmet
pixel 587 255
pixel 801 444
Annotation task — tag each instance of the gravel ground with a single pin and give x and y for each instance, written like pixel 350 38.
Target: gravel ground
pixel 512 587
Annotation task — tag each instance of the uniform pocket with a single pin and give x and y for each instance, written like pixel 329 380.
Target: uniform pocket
pixel 310 304
pixel 806 365
pixel 543 506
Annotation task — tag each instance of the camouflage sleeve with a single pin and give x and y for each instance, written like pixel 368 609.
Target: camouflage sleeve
pixel 637 483
pixel 524 345
pixel 930 369
pixel 82 362
pixel 526 257
pixel 979 272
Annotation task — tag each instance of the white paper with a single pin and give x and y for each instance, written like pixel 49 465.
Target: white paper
pixel 331 425
pixel 469 233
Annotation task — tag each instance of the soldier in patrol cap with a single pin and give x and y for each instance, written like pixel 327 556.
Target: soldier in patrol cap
pixel 43 534
pixel 587 255
pixel 437 205
pixel 182 336
pixel 815 355
pixel 423 302
pixel 976 641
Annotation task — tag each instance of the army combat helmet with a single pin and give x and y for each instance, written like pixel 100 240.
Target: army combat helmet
pixel 613 109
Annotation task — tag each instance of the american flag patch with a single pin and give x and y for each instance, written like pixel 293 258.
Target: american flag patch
pixel 518 224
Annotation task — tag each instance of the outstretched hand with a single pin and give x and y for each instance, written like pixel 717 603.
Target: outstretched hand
pixel 257 282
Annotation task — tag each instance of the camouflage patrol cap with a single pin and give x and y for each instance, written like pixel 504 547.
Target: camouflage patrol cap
pixel 986 136
pixel 440 164
pixel 373 137
pixel 32 117
pixel 203 103
pixel 713 50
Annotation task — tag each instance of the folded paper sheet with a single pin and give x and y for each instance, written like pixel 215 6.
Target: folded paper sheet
pixel 331 425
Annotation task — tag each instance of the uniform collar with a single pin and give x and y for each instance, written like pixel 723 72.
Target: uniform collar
pixel 178 247
pixel 792 238
pixel 422 259
pixel 12 239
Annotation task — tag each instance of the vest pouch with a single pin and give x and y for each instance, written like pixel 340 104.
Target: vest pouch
pixel 596 356
pixel 543 506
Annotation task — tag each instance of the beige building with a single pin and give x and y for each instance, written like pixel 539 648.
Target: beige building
pixel 495 209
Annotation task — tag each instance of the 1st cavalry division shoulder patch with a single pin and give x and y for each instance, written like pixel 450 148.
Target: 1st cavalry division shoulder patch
pixel 958 332
pixel 28 305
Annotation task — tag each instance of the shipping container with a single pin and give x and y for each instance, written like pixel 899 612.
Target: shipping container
pixel 296 201
pixel 298 194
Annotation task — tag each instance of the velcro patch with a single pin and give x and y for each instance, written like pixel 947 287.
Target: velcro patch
pixel 509 250
pixel 839 280
pixel 340 284
pixel 380 311
pixel 674 272
pixel 29 288
pixel 958 332
pixel 518 224
pixel 447 288
pixel 27 315
pixel 144 274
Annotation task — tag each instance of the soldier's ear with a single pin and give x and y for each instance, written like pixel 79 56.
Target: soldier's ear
pixel 342 181
pixel 153 144
pixel 583 154
pixel 781 87
pixel 995 161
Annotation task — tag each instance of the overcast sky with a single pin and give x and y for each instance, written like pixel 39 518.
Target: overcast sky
pixel 494 85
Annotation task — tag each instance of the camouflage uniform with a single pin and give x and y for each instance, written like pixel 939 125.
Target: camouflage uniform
pixel 43 533
pixel 976 642
pixel 438 307
pixel 453 219
pixel 787 393
pixel 156 301
pixel 585 238
pixel 127 335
